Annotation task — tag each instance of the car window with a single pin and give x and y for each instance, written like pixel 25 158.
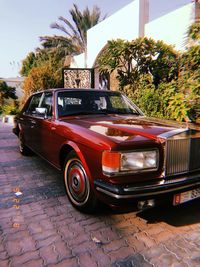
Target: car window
pixel 47 102
pixel 34 103
pixel 119 104
pixel 94 102
pixel 68 103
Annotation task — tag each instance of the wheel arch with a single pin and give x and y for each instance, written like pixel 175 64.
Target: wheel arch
pixel 66 149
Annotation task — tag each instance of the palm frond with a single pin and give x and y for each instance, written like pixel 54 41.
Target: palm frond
pixel 75 32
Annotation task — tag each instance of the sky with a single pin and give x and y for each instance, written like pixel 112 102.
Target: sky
pixel 22 22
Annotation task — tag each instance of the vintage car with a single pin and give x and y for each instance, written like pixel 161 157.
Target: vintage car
pixel 108 150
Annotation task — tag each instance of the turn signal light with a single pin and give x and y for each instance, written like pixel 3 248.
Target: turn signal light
pixel 111 162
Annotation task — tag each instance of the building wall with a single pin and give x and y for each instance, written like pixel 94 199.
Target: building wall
pixel 172 27
pixel 161 20
pixel 124 24
pixel 159 8
pixel 167 20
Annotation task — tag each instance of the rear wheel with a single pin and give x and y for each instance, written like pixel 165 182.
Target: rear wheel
pixel 24 150
pixel 78 185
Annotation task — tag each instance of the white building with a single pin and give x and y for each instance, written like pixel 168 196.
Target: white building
pixel 161 20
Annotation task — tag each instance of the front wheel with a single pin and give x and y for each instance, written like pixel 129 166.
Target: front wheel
pixel 77 184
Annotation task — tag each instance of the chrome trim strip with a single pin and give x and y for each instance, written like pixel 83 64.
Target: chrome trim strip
pixel 172 133
pixel 117 196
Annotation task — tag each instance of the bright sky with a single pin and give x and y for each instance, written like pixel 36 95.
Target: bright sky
pixel 22 22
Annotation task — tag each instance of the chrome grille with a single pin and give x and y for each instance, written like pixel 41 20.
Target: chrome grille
pixel 182 155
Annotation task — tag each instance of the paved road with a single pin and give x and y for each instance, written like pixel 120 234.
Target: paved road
pixel 41 228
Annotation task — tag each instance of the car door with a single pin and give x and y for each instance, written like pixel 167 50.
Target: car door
pixel 28 123
pixel 44 127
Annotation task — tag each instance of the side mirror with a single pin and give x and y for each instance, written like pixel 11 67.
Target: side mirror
pixel 41 112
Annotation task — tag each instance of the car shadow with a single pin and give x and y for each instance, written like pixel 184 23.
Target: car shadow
pixel 181 215
pixel 177 216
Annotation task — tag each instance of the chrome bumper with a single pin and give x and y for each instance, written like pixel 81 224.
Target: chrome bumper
pixel 148 189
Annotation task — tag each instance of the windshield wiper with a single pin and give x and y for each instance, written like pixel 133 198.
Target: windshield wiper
pixel 120 112
pixel 98 112
pixel 79 113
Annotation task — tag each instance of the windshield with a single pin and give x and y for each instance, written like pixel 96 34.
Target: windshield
pixel 93 102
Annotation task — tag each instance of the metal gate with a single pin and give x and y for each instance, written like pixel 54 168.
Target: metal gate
pixel 78 78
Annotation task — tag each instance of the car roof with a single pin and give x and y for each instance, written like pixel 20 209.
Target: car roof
pixel 73 90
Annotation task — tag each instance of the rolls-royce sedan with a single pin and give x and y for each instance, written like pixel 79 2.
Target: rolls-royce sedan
pixel 108 151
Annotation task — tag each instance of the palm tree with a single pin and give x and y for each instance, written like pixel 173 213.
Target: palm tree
pixel 74 40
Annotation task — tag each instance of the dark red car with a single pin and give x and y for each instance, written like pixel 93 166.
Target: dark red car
pixel 108 150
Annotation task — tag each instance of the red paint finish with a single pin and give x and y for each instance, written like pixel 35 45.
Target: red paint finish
pixel 90 122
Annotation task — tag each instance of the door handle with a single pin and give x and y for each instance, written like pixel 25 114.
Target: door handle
pixel 33 122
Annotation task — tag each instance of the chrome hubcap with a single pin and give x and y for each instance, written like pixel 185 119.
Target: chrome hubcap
pixel 76 181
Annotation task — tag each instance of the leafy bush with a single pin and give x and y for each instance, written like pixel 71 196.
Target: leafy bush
pixel 11 109
pixel 166 101
pixel 139 57
pixel 161 81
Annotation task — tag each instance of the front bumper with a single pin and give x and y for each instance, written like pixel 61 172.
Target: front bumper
pixel 148 190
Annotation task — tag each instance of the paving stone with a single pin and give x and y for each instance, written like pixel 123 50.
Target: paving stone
pixel 1 246
pixel 66 233
pixel 136 260
pixel 138 222
pixel 35 228
pixel 181 253
pixel 63 250
pixel 73 262
pixel 13 248
pixel 85 260
pixel 49 254
pixel 146 239
pixel 3 255
pixel 154 230
pixel 47 224
pixel 167 259
pixel 33 263
pixel 127 231
pixel 4 263
pixel 138 245
pixel 17 235
pixel 81 238
pixel 87 246
pixel 48 241
pixel 154 252
pixel 44 234
pixel 27 244
pixel 123 224
pixel 95 226
pixel 101 257
pixel 24 258
pixel 164 236
pixel 110 234
pixel 99 237
pixel 114 245
pixel 121 253
pixel 76 228
pixel 180 264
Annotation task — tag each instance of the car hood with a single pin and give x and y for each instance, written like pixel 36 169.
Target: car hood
pixel 123 128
